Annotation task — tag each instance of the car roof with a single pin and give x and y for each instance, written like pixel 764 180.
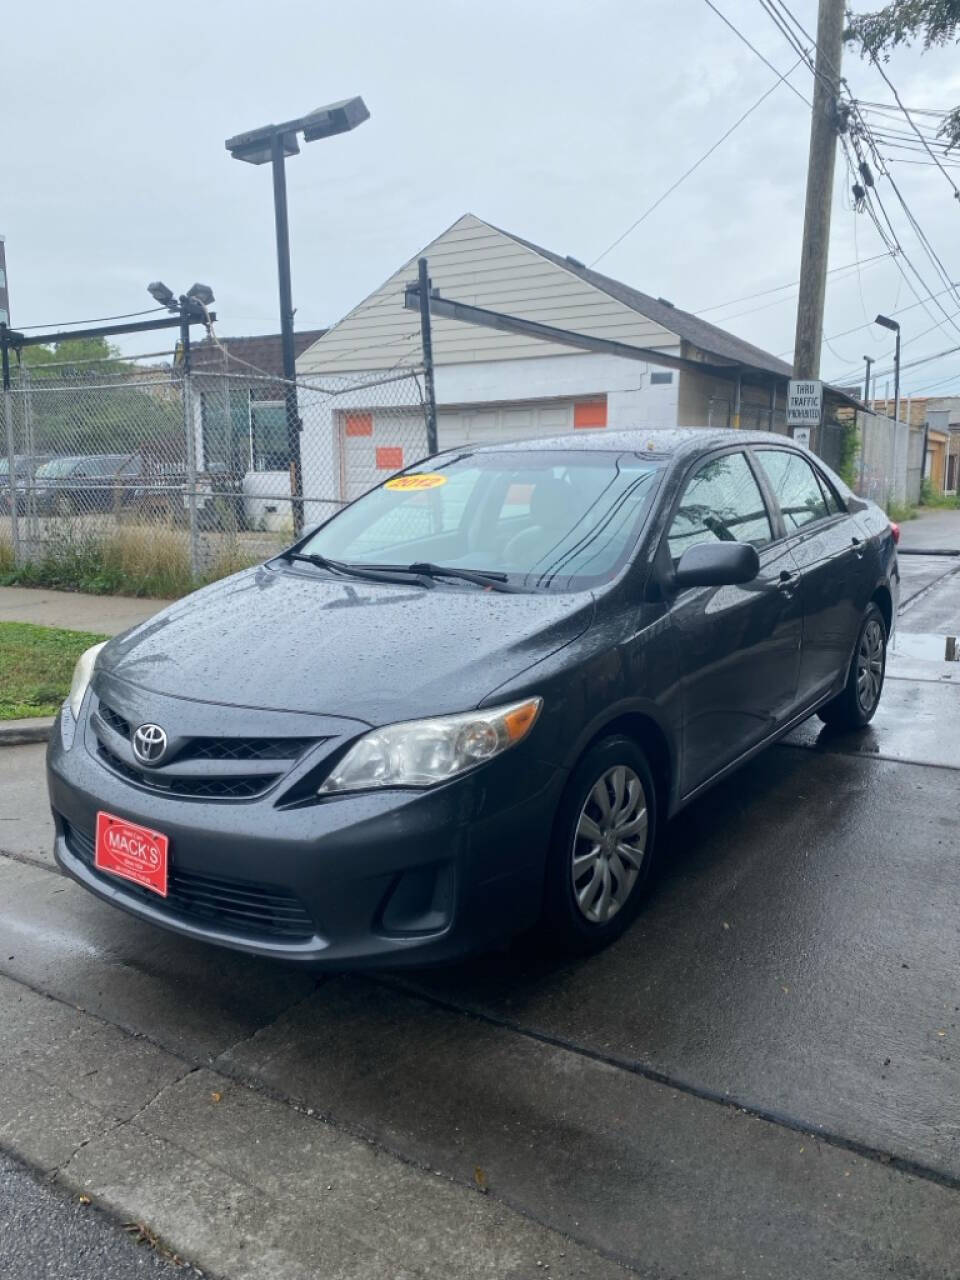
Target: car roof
pixel 654 442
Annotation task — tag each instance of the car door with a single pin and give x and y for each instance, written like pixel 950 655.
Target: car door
pixel 738 646
pixel 828 548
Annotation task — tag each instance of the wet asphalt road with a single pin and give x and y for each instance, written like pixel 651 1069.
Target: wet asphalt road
pixel 761 1078
pixel 44 1235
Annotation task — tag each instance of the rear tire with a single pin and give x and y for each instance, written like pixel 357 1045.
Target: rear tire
pixel 601 863
pixel 856 705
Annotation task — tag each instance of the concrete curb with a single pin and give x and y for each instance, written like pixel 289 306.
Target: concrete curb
pixel 17 733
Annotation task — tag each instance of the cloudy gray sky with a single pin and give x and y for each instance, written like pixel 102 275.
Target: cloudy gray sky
pixel 560 120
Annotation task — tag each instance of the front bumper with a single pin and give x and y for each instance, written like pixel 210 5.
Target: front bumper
pixel 378 878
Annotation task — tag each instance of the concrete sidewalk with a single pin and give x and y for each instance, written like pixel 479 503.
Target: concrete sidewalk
pixel 71 609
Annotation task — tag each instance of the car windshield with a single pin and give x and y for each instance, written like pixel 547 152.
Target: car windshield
pixel 560 519
pixel 58 467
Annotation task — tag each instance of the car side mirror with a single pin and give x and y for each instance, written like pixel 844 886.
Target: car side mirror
pixel 716 564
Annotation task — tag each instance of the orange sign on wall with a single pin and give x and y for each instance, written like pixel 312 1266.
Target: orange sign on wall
pixel 358 424
pixel 389 457
pixel 592 413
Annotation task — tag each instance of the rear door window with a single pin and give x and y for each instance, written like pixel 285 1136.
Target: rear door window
pixel 795 486
pixel 722 502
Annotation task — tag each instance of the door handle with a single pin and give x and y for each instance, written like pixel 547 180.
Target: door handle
pixel 855 542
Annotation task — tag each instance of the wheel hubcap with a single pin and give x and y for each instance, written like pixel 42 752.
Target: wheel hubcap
pixel 870 665
pixel 610 844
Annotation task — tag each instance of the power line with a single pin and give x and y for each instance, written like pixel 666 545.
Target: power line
pixel 683 177
pixel 65 324
pixel 910 121
pixel 748 297
pixel 873 194
pixel 739 34
pixel 792 39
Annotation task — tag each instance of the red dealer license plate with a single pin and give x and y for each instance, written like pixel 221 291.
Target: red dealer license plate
pixel 132 852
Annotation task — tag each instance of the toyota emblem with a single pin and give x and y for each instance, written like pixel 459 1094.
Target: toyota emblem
pixel 149 743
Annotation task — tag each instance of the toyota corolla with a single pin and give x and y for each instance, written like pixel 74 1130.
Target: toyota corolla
pixel 470 702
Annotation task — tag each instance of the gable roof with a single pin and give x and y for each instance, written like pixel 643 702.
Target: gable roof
pixel 477 263
pixel 707 337
pixel 263 351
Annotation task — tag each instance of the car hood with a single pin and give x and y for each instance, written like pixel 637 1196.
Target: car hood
pixel 295 640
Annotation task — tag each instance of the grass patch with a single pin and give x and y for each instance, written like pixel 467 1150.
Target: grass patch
pixel 131 560
pixel 36 666
pixel 900 511
pixel 940 501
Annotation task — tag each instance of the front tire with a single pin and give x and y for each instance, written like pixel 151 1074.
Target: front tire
pixel 856 705
pixel 601 863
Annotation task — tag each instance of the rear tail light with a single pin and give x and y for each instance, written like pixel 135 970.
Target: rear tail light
pixel 895 530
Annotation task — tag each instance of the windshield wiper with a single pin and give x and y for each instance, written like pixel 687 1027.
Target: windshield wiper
pixel 481 577
pixel 372 573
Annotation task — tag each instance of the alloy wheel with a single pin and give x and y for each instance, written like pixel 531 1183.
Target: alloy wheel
pixel 870 657
pixel 610 844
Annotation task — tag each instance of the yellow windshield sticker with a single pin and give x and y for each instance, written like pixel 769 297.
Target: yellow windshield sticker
pixel 419 480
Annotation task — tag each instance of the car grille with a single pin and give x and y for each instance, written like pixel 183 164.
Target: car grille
pixel 236 906
pixel 207 783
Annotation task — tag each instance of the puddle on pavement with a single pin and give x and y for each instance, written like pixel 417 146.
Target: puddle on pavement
pixel 926 646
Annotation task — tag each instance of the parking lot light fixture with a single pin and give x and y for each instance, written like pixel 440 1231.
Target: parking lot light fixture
pixel 272 144
pixel 894 325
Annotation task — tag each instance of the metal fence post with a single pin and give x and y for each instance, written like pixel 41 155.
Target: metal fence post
pixel 11 450
pixel 191 448
pixel 426 337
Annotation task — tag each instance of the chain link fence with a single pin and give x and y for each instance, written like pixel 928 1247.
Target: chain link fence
pixel 156 479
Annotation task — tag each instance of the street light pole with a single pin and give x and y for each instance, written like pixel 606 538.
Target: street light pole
pixel 894 325
pixel 868 360
pixel 271 144
pixel 286 330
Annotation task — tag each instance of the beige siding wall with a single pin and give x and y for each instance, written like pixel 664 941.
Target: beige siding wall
pixel 476 264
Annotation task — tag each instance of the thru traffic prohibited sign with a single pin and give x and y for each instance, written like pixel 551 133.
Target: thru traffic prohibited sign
pixel 804 403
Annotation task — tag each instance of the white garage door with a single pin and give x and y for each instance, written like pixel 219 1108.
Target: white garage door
pixel 376 442
pixel 506 422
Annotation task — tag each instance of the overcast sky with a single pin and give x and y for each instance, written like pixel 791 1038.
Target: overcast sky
pixel 559 120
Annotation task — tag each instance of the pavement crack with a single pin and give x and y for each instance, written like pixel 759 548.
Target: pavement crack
pixel 902 1164
pixel 40 863
pixel 266 1026
pixel 907 604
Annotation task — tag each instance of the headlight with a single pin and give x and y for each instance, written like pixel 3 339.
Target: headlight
pixel 82 675
pixel 422 753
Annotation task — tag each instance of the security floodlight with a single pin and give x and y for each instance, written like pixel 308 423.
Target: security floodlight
pixel 202 293
pixel 160 293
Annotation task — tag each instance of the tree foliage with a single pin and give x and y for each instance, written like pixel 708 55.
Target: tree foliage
pixel 80 397
pixel 934 22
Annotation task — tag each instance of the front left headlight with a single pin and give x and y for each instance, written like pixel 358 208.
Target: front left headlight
pixel 82 675
pixel 423 753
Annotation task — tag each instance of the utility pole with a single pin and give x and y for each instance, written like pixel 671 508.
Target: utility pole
pixel 426 338
pixel 820 166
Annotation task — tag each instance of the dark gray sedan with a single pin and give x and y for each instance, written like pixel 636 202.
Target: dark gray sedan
pixel 470 702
